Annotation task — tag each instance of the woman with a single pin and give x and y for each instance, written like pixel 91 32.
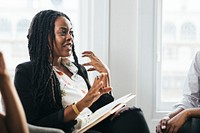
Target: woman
pixel 186 117
pixel 13 120
pixel 55 91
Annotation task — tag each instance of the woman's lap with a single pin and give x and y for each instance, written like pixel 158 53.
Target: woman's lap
pixel 129 121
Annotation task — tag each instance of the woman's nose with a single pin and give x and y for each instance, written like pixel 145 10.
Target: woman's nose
pixel 69 36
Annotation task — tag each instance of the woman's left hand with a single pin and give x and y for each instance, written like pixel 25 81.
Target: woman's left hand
pixel 95 63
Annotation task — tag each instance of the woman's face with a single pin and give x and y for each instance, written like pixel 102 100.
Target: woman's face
pixel 63 37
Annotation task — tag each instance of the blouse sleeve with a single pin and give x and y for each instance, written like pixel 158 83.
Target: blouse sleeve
pixel 191 88
pixel 22 82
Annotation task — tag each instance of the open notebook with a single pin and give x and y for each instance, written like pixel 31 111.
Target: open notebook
pixel 105 111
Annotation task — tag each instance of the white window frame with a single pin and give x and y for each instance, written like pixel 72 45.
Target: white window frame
pixel 95 24
pixel 149 59
pixel 95 29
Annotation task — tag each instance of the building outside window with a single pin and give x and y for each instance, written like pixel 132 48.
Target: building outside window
pixel 180 40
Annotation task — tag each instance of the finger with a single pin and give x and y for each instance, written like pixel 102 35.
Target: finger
pixel 175 130
pixel 163 124
pixel 87 52
pixel 158 130
pixel 163 127
pixel 87 55
pixel 98 82
pixel 2 62
pixel 106 90
pixel 97 77
pixel 99 87
pixel 87 64
pixel 1 59
pixel 91 69
pixel 96 94
pixel 169 129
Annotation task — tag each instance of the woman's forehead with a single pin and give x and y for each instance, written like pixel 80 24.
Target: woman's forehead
pixel 63 22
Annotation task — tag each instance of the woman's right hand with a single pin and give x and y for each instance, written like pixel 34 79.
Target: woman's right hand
pixel 162 125
pixel 98 88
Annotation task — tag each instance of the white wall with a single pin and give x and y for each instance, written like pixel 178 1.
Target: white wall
pixel 131 27
pixel 123 46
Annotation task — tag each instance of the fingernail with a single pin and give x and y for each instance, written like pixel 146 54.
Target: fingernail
pixel 163 127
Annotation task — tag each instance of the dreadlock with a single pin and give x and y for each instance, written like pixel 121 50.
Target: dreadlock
pixel 41 36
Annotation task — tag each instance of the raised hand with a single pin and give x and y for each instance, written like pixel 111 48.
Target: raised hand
pixel 95 91
pixel 95 63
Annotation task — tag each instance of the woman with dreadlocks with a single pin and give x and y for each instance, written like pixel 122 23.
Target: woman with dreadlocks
pixel 55 92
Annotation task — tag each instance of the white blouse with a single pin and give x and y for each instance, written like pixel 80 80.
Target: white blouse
pixel 191 90
pixel 72 90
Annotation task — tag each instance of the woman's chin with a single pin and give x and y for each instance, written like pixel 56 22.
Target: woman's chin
pixel 68 55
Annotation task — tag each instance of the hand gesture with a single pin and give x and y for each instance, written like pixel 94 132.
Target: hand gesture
pixel 95 91
pixel 95 63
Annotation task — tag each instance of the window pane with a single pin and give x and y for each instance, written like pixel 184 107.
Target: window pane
pixel 180 39
pixel 15 18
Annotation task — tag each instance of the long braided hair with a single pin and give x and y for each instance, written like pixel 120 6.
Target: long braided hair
pixel 41 36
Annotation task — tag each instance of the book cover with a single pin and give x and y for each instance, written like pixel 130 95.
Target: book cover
pixel 105 111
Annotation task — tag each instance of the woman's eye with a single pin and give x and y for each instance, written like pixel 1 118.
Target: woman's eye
pixel 63 32
pixel 71 32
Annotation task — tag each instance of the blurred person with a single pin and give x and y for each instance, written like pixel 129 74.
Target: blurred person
pixel 186 116
pixel 13 120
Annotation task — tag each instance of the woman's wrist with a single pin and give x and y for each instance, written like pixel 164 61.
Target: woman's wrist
pixel 75 109
pixel 80 106
pixel 187 113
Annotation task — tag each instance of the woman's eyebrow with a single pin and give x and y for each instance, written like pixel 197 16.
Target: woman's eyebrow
pixel 65 28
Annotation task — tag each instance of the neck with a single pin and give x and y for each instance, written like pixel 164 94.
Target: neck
pixel 57 61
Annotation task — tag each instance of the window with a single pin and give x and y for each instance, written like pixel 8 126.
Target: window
pixel 169 31
pixel 15 21
pixel 168 38
pixel 6 29
pixel 176 54
pixel 22 27
pixel 188 31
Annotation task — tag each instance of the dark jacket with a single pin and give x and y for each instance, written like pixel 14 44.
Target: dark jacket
pixel 22 82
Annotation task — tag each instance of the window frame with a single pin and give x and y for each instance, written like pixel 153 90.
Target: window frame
pixel 149 59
